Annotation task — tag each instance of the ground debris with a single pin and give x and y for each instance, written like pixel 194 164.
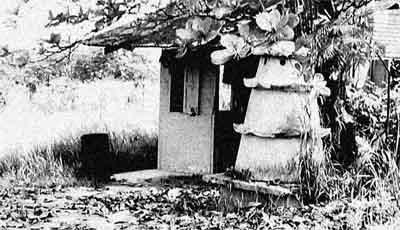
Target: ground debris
pixel 159 207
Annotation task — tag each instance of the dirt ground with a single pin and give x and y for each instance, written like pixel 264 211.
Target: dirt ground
pixel 112 207
pixel 156 207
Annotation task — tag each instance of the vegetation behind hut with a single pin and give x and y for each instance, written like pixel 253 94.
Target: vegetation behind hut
pixel 47 106
pixel 367 189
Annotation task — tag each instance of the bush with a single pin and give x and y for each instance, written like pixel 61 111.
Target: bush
pixel 374 169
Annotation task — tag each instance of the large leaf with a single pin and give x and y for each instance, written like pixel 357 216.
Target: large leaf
pixel 232 42
pixel 187 35
pixel 244 28
pixel 285 33
pixel 268 21
pixel 205 29
pixel 293 20
pixel 203 26
pixel 283 21
pixel 221 57
pixel 243 51
pixel 256 35
pixel 211 28
pixel 288 19
pixel 302 52
pixel 235 44
pixel 260 50
pixel 221 12
pixel 181 52
pixel 210 36
pixel 281 48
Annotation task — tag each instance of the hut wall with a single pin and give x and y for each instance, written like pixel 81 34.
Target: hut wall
pixel 185 141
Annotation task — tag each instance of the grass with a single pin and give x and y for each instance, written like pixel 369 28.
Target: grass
pixel 361 196
pixel 40 144
pixel 40 137
pixel 60 163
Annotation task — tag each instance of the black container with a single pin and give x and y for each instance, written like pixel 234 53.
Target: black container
pixel 96 157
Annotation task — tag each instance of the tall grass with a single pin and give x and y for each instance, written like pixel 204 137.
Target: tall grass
pixel 365 193
pixel 374 169
pixel 40 133
pixel 362 196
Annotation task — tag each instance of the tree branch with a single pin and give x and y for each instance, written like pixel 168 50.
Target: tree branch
pixel 60 50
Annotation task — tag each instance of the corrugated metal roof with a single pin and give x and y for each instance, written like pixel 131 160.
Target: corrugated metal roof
pixel 386 31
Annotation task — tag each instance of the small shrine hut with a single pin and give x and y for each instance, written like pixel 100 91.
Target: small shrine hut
pixel 233 93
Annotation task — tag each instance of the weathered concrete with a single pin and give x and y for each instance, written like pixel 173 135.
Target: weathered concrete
pixel 238 193
pixel 146 176
pixel 259 187
pixel 272 141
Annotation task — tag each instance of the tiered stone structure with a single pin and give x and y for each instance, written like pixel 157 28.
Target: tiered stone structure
pixel 280 117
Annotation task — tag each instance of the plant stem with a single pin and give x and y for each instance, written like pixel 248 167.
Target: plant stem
pixel 388 95
pixel 262 4
pixel 388 106
pixel 397 137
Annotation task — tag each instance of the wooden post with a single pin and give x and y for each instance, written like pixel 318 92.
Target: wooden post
pixel 387 67
pixel 388 101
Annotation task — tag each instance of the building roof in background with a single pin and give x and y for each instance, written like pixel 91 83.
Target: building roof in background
pixel 384 4
pixel 386 27
pixel 387 32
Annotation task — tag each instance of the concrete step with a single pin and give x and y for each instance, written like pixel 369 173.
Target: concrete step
pixel 237 193
pixel 146 176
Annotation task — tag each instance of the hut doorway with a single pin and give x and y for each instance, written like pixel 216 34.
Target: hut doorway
pixel 199 104
pixel 232 98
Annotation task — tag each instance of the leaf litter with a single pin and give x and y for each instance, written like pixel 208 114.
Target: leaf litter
pixel 152 207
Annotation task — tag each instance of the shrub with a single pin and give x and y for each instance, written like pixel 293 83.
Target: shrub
pixel 374 169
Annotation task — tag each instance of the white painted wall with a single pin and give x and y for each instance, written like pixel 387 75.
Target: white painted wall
pixel 186 142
